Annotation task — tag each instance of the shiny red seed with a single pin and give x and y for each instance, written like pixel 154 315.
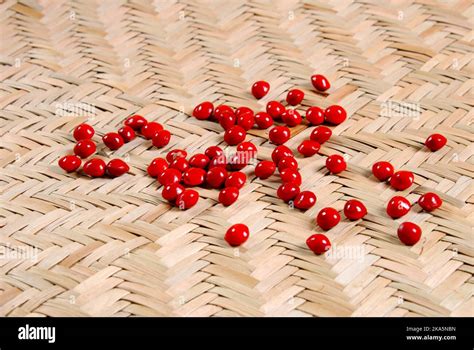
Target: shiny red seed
pixel 219 161
pixel 238 161
pixel 228 196
pixel 294 97
pixel 136 122
pixel 430 201
pixel 69 163
pixel 203 110
pixel 113 140
pixel 397 207
pixel 288 191
pixel 157 166
pixel 127 133
pixel 169 176
pixel 309 148
pixel 150 130
pixel 328 218
pixel 161 138
pixel 222 110
pixel 237 234
pixel 263 120
pixel 83 132
pixel 245 120
pixel 265 169
pixel 321 134
pixel 116 167
pixel 291 175
pixel 320 82
pixel 215 177
pixel 409 233
pixel 227 120
pixel 213 151
pixel 260 89
pixel 402 179
pixel 354 210
pixel 281 151
pixel 234 135
pixel 180 164
pixel 187 199
pixel 336 164
pixel 236 179
pixel 318 243
pixel 291 117
pixel 287 162
pixel 248 148
pixel 315 115
pixel 194 176
pixel 435 142
pixel 335 115
pixel 84 148
pixel 275 109
pixel 172 191
pixel 242 110
pixel 176 153
pixel 94 167
pixel 382 170
pixel 305 200
pixel 279 134
pixel 199 160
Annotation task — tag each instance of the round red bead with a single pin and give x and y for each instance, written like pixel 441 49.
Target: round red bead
pixel 246 120
pixel 294 97
pixel 409 233
pixel 187 199
pixel 83 132
pixel 172 191
pixel 176 153
pixel 291 117
pixel 288 191
pixel 354 210
pixel 430 201
pixel 328 218
pixel 70 163
pixel 321 134
pixel 242 110
pixel 94 167
pixel 127 133
pixel 309 148
pixel 287 162
pixel 315 115
pixel 180 163
pixel 219 161
pixel 305 200
pixel 113 140
pixel 169 176
pixel 260 89
pixel 263 120
pixel 275 109
pixel 335 115
pixel 194 176
pixel 281 151
pixel 150 130
pixel 203 110
pixel 382 170
pixel 320 82
pixel 161 138
pixel 336 164
pixel 213 151
pixel 216 177
pixel 222 110
pixel 199 160
pixel 401 180
pixel 227 120
pixel 248 148
pixel 117 167
pixel 435 142
pixel 136 122
pixel 265 169
pixel 157 166
pixel 84 148
pixel 291 175
pixel 237 234
pixel 236 179
pixel 397 207
pixel 318 243
pixel 234 135
pixel 279 134
pixel 228 196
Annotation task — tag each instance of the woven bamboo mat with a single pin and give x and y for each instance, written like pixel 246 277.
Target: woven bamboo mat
pixel 107 247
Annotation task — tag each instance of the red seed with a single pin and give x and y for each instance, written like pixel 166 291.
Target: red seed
pixel 248 148
pixel 321 134
pixel 222 110
pixel 70 163
pixel 157 166
pixel 263 120
pixel 176 153
pixel 435 142
pixel 275 109
pixel 150 130
pixel 234 135
pixel 187 199
pixel 309 148
pixel 83 132
pixel 409 233
pixel 294 97
pixel 169 176
pixel 335 115
pixel 320 82
pixel 265 169
pixel 227 120
pixel 219 161
pixel 215 177
pixel 194 176
pixel 336 164
pixel 287 162
pixel 161 138
pixel 113 140
pixel 260 89
pixel 237 234
pixel 288 191
pixel 117 167
pixel 315 115
pixel 127 133
pixel 328 218
pixel 279 134
pixel 318 243
pixel 290 175
pixel 382 170
pixel 430 201
pixel 172 191
pixel 228 196
pixel 199 160
pixel 291 117
pixel 279 152
pixel 246 120
pixel 84 148
pixel 401 180
pixel 213 151
pixel 236 179
pixel 354 210
pixel 238 161
pixel 397 207
pixel 94 167
pixel 305 200
pixel 203 110
pixel 180 164
pixel 242 110
pixel 136 122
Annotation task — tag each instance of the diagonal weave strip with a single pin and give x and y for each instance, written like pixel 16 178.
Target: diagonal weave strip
pixel 114 247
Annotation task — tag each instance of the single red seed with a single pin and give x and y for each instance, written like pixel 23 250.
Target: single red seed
pixel 69 163
pixel 238 161
pixel 161 138
pixel 113 140
pixel 290 175
pixel 321 134
pixel 237 234
pixel 309 148
pixel 157 166
pixel 409 233
pixel 246 120
pixel 94 167
pixel 222 110
pixel 275 109
pixel 328 218
pixel 281 151
pixel 236 179
pixel 315 115
pixel 249 148
pixel 199 160
pixel 382 170
pixel 354 210
pixel 435 142
pixel 397 207
pixel 213 151
pixel 84 148
pixel 215 177
pixel 180 163
pixel 234 135
pixel 336 164
pixel 320 82
pixel 219 161
pixel 187 199
pixel 279 134
pixel 136 122
pixel 83 132
pixel 176 153
pixel 318 243
pixel 169 176
pixel 172 191
pixel 127 133
pixel 263 120
pixel 194 176
pixel 335 115
pixel 430 201
pixel 265 169
pixel 288 191
pixel 242 110
pixel 150 130
pixel 116 167
pixel 294 97
pixel 203 110
pixel 291 117
pixel 227 120
pixel 305 200
pixel 287 162
pixel 260 89
pixel 402 179
pixel 228 196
